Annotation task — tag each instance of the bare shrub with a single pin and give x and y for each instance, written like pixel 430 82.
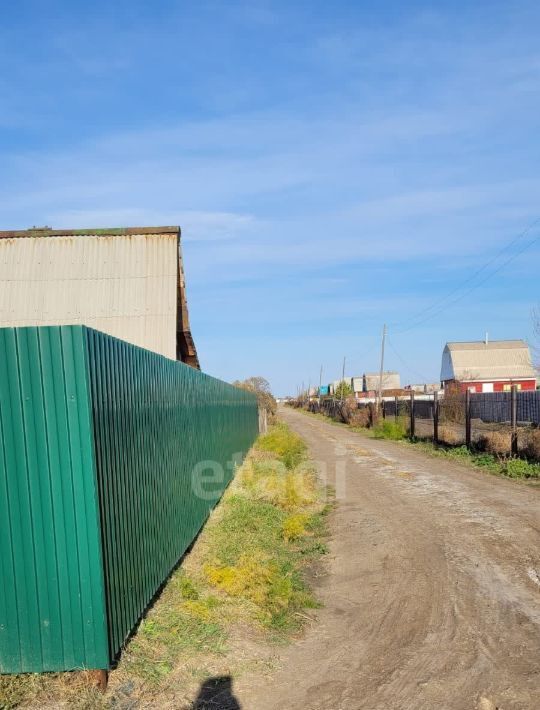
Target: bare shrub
pixel 450 436
pixel 360 418
pixel 261 388
pixel 532 445
pixel 346 410
pixel 497 443
pixel 452 406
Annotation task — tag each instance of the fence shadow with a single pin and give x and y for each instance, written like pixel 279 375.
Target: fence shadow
pixel 216 694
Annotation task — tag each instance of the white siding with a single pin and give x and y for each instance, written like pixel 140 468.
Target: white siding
pixel 123 285
pixel 357 384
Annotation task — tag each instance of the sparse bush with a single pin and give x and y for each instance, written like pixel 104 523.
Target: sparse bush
pixel 360 418
pixel 390 429
pixel 343 390
pixel 497 443
pixel 285 444
pixel 532 446
pixel 294 526
pixel 518 468
pixel 452 405
pixel 450 436
pixel 265 398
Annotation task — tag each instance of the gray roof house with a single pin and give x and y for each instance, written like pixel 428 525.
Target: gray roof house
pixel 496 361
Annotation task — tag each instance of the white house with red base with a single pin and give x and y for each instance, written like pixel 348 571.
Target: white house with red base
pixel 488 366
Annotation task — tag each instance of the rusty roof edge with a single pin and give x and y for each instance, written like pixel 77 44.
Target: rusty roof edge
pixel 107 232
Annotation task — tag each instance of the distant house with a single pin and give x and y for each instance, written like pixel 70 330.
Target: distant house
pixel 357 384
pixel 488 366
pixel 390 381
pixel 424 388
pixel 333 386
pixel 368 383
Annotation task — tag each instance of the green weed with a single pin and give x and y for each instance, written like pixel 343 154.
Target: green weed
pixel 390 429
pixel 288 447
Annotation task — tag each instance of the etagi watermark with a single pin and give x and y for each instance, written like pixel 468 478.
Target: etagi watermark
pixel 209 477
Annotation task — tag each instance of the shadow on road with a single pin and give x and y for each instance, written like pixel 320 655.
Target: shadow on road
pixel 216 694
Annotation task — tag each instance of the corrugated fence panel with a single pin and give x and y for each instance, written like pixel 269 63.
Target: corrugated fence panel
pixel 52 606
pixel 496 407
pixel 111 458
pixel 166 441
pixel 528 407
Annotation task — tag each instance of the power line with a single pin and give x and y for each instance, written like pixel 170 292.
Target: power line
pixel 406 364
pixel 472 277
pixel 470 290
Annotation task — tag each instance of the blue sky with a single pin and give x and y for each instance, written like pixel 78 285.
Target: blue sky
pixel 334 166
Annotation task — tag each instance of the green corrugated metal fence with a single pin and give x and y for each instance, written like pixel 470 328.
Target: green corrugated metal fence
pixel 111 459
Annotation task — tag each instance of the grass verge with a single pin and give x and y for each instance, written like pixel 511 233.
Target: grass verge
pixel 500 465
pixel 510 467
pixel 242 589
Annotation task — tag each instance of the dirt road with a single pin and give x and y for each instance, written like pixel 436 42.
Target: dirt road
pixel 431 592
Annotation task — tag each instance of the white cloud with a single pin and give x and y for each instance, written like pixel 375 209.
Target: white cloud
pixel 196 226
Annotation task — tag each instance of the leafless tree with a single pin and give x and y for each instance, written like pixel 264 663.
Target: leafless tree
pixel 261 388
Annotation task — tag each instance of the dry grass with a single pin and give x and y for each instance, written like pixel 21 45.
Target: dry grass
pixel 497 443
pixel 48 691
pixel 360 418
pixel 449 435
pixel 532 445
pixel 241 589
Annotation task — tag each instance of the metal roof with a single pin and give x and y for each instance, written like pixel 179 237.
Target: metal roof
pixel 481 345
pixel 127 282
pixel 492 360
pixel 105 232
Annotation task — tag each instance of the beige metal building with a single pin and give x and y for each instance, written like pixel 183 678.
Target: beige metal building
pixel 128 283
pixel 372 380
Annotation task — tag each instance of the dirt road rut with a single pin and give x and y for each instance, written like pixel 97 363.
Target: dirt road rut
pixel 431 591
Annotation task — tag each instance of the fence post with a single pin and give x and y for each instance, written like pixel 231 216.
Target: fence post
pixel 411 434
pixel 396 413
pixel 468 418
pixel 513 421
pixel 383 409
pixel 436 418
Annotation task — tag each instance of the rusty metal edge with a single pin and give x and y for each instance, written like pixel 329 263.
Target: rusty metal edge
pixel 185 345
pixel 108 232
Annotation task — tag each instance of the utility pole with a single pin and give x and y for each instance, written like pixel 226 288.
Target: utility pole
pixel 320 385
pixel 343 378
pixel 382 364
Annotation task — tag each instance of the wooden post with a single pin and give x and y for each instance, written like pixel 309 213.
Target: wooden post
pixel 383 409
pixel 100 678
pixel 468 418
pixel 436 418
pixel 513 421
pixel 411 433
pixel 396 414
